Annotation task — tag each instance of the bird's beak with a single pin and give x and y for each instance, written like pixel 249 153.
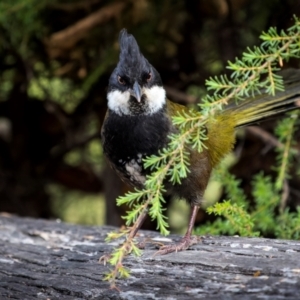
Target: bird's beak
pixel 137 91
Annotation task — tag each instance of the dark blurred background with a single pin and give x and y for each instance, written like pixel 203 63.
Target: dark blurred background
pixel 56 58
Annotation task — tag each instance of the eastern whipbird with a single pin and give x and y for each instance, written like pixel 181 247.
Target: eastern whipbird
pixel 139 120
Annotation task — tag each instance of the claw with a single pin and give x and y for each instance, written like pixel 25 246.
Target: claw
pixel 104 259
pixel 184 244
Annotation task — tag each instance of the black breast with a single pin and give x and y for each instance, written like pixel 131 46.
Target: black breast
pixel 129 139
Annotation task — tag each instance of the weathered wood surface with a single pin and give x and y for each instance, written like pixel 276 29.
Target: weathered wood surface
pixel 52 260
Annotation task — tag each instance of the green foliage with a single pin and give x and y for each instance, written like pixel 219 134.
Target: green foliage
pixel 236 215
pixel 252 74
pixel 249 73
pixel 231 184
pixel 266 201
pixel 288 226
pixel 22 17
pixel 90 153
pixel 77 207
pixel 284 131
pixel 6 84
pixel 61 90
pixel 268 216
pixel 263 219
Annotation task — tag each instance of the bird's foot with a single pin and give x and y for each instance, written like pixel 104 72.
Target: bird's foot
pixel 104 259
pixel 142 244
pixel 184 244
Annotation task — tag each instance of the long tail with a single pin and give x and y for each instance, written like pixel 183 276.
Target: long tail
pixel 264 106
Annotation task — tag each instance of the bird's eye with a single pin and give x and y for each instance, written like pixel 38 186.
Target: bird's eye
pixel 148 76
pixel 121 80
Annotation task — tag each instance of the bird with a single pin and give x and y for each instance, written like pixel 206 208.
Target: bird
pixel 138 124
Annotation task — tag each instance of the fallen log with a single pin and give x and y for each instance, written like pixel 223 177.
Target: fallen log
pixel 42 259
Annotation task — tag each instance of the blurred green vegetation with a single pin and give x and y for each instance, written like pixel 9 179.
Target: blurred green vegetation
pixel 77 207
pixel 61 90
pixel 55 63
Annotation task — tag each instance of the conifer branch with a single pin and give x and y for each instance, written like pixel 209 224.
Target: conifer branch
pixel 245 79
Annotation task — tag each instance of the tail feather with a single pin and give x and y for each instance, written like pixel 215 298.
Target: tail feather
pixel 263 106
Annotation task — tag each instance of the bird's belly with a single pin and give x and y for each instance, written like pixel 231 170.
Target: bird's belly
pixel 131 170
pixel 128 161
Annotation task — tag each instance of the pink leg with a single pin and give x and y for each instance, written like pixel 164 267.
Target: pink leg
pixel 186 241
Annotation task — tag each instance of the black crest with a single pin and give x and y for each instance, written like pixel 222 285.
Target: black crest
pixel 131 60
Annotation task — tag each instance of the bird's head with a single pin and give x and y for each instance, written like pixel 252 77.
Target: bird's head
pixel 135 87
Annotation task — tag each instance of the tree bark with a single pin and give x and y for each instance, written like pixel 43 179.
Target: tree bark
pixel 52 260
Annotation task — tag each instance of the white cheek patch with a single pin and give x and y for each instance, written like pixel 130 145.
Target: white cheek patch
pixel 119 102
pixel 156 98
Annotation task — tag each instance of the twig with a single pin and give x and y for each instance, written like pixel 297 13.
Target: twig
pixel 264 136
pixel 68 37
pixel 284 196
pixel 177 95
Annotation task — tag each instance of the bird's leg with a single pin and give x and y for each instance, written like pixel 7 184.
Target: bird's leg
pixel 187 241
